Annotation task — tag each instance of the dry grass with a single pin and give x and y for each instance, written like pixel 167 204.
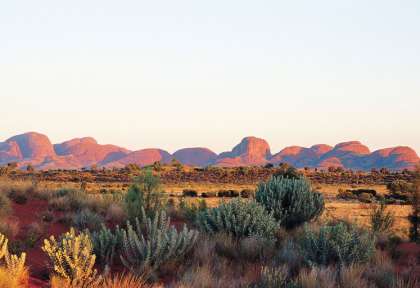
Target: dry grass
pixel 359 214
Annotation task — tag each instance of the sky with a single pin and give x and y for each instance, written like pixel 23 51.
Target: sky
pixel 173 74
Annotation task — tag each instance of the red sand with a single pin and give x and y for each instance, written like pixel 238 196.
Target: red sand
pixel 36 260
pixel 408 260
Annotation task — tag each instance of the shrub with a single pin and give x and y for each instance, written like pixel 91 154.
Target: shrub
pixel 240 219
pixel 189 193
pixel 87 219
pixel 72 258
pixel 255 248
pixel 208 194
pixel 13 272
pixel 15 266
pixel 226 246
pixel 291 256
pixel 145 195
pixel 59 204
pixel 228 193
pixel 381 221
pixel 5 207
pixel 3 246
pixel 18 196
pixel 190 211
pixel 247 193
pixel 365 198
pixel 115 213
pixel 399 186
pixel 287 171
pixel 106 244
pixel 291 201
pixel 346 195
pixel 33 234
pixel 76 199
pixel 145 250
pixel 339 243
pixel 381 271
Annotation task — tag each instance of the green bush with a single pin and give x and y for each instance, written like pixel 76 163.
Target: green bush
pixel 72 258
pixel 381 221
pixel 189 193
pixel 145 194
pixel 146 247
pixel 106 244
pixel 190 211
pixel 239 218
pixel 340 243
pixel 291 201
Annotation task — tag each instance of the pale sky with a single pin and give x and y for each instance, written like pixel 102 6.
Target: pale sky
pixel 173 74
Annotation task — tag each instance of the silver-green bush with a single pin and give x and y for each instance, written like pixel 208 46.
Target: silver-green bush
pixel 106 244
pixel 146 247
pixel 239 218
pixel 291 201
pixel 340 243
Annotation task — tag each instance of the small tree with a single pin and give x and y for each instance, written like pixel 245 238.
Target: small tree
pixel 414 217
pixel 291 201
pixel 380 219
pixel 145 194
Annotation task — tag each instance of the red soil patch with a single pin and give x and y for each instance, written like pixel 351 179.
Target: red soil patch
pixel 27 214
pixel 409 259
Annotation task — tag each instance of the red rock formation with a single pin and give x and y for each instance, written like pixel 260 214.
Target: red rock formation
pixel 10 152
pixel 142 158
pixel 251 151
pixel 36 149
pixel 321 149
pixel 195 156
pixel 33 145
pixel 88 152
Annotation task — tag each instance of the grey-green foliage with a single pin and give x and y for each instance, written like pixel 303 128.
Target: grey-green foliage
pixel 340 243
pixel 107 243
pixel 148 245
pixel 291 201
pixel 239 218
pixel 87 219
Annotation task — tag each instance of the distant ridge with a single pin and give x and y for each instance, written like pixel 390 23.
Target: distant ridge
pixel 36 149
